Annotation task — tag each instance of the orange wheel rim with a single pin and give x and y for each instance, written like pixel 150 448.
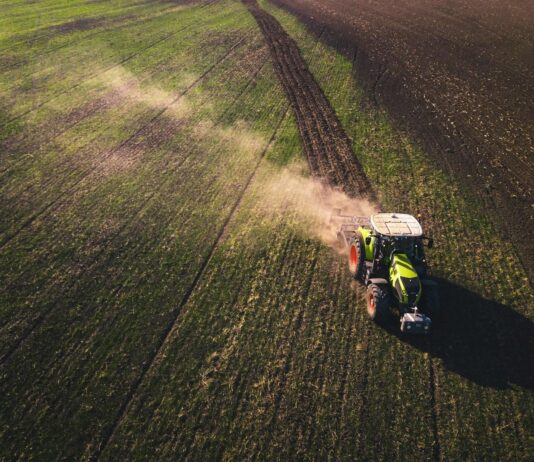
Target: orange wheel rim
pixel 353 255
pixel 371 303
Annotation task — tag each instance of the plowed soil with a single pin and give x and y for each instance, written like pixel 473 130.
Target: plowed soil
pixel 327 147
pixel 458 75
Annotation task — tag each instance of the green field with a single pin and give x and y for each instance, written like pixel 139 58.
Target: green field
pixel 165 297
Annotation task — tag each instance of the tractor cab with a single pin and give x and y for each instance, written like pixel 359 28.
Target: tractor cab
pixel 396 234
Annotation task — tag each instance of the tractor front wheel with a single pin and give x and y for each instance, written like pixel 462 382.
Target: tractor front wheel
pixel 357 257
pixel 378 303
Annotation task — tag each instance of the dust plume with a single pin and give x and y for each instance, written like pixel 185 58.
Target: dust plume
pixel 309 203
pixel 131 89
pixel 238 137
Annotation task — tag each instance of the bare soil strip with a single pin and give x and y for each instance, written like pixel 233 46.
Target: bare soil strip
pixel 327 147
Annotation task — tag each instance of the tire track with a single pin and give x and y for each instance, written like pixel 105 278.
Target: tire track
pixel 132 219
pixel 25 60
pixel 108 433
pixel 343 387
pixel 434 410
pixel 139 132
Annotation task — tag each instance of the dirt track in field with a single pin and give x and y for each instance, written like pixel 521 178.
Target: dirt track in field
pixel 459 76
pixel 327 147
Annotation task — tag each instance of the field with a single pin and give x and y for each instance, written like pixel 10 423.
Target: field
pixel 169 288
pixel 458 76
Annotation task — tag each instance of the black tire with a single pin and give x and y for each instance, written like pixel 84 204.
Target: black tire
pixel 357 257
pixel 378 303
pixel 430 298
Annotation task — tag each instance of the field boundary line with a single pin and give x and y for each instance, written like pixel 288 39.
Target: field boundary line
pixel 107 435
pixel 6 239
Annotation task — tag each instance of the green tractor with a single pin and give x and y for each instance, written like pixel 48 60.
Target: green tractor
pixel 386 253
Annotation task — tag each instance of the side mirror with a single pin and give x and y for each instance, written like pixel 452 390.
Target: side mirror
pixel 368 240
pixel 430 243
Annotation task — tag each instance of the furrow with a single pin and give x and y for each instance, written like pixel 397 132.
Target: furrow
pixel 319 127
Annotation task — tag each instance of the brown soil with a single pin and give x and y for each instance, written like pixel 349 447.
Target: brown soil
pixel 327 147
pixel 459 76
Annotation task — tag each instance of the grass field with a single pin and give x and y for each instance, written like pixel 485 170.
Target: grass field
pixel 163 297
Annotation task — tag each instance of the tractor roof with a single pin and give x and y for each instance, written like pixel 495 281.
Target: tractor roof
pixel 396 225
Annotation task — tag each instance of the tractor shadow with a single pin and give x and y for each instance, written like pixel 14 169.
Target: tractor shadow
pixel 484 341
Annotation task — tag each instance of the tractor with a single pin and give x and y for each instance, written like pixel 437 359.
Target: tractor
pixel 386 253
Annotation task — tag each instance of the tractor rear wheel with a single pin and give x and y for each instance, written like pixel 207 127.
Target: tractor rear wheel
pixel 357 256
pixel 378 302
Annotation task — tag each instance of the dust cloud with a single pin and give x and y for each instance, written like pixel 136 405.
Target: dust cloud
pixel 132 90
pixel 310 203
pixel 237 138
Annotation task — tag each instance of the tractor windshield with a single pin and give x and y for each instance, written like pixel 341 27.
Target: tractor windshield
pixel 412 247
pixel 404 245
